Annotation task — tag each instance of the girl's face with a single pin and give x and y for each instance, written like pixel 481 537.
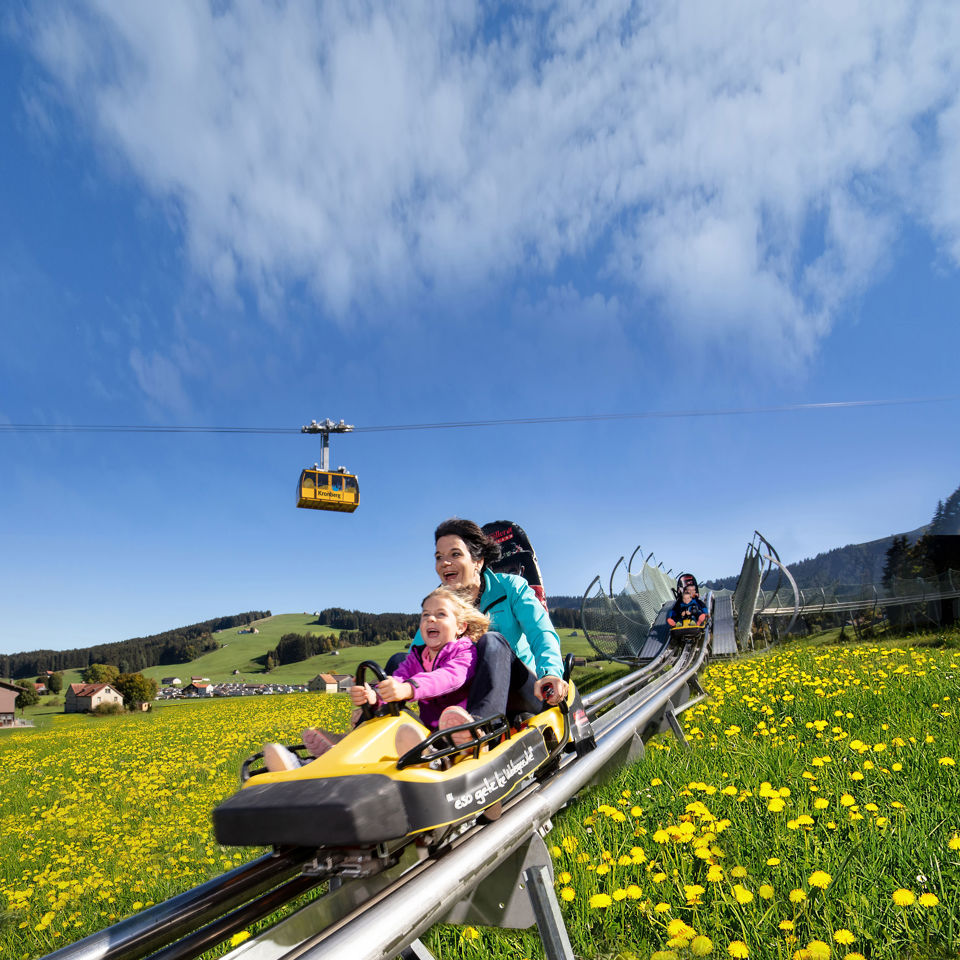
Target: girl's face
pixel 455 566
pixel 438 623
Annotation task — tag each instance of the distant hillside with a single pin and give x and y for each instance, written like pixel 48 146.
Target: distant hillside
pixel 854 563
pixel 179 645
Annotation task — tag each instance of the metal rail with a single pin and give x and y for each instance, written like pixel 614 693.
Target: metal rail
pixel 145 931
pixel 414 895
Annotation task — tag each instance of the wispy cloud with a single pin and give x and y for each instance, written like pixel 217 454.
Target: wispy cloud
pixel 743 167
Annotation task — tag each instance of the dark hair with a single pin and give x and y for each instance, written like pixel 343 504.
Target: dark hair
pixel 481 546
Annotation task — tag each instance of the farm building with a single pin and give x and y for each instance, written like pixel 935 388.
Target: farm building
pixel 330 683
pixel 198 688
pixel 81 697
pixel 8 698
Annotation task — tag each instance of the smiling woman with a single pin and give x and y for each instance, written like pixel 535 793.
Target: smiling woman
pixel 519 665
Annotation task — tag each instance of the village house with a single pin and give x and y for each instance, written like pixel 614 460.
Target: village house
pixel 198 688
pixel 8 698
pixel 330 683
pixel 81 697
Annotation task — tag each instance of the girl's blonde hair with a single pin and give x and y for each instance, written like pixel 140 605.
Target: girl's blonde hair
pixel 476 623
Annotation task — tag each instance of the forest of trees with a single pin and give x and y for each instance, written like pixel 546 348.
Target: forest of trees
pixel 937 551
pixel 357 629
pixel 130 656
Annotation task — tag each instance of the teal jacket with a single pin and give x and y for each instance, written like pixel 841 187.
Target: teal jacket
pixel 515 611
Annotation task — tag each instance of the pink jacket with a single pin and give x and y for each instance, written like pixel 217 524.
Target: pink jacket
pixel 446 685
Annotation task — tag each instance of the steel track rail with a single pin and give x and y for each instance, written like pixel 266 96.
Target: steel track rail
pixel 136 936
pixel 197 919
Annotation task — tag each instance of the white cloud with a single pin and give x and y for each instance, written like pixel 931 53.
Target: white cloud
pixel 744 166
pixel 160 379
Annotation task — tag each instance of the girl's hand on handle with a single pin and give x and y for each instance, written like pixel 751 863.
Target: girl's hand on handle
pixel 392 689
pixel 551 690
pixel 361 695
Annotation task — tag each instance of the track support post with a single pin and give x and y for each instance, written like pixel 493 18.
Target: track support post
pixel 416 951
pixel 553 933
pixel 674 723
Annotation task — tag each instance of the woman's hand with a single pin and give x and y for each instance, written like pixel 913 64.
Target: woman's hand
pixel 550 689
pixel 393 689
pixel 361 695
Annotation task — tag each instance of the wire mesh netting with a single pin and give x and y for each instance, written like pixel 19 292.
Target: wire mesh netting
pixel 869 608
pixel 617 622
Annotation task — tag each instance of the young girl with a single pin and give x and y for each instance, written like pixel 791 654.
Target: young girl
pixel 435 675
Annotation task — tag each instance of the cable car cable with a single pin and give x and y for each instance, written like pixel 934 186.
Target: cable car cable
pixel 463 424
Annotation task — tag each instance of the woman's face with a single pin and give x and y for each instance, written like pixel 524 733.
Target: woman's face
pixel 455 566
pixel 438 623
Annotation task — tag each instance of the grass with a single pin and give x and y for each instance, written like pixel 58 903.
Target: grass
pixel 816 815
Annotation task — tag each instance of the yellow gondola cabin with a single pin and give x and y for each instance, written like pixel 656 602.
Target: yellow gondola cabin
pixel 328 490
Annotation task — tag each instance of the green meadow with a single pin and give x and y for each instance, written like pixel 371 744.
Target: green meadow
pixel 815 815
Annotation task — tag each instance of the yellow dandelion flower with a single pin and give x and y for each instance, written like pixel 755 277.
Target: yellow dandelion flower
pixel 741 894
pixel 773 862
pixel 821 803
pixel 470 933
pixel 954 842
pixel 238 938
pixel 819 878
pixel 846 800
pixel 567 893
pixel 947 762
pixel 634 892
pixel 854 956
pixel 678 943
pixel 766 891
pixel 662 908
pixel 928 900
pixel 843 937
pixel 619 894
pixel 701 946
pixel 797 896
pixel 600 901
pixel 663 955
pixel 738 950
pixel 787 925
pixel 818 950
pixel 902 897
pixel 715 873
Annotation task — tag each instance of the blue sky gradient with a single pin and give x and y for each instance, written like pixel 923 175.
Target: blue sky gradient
pixel 256 215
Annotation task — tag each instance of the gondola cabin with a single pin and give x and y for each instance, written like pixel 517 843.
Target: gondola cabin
pixel 328 490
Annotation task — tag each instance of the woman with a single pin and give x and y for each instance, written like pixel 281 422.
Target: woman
pixel 519 663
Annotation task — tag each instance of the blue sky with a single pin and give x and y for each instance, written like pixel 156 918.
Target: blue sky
pixel 261 214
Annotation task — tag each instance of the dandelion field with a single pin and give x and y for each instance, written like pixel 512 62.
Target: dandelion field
pixel 816 815
pixel 102 817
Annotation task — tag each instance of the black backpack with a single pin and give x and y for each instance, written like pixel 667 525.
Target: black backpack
pixel 516 554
